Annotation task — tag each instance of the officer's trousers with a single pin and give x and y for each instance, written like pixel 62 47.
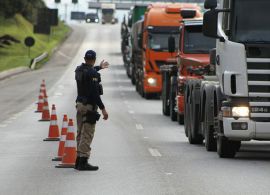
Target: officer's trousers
pixel 85 132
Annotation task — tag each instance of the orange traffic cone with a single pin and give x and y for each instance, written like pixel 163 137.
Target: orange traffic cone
pixel 53 129
pixel 40 102
pixel 69 157
pixel 43 88
pixel 61 145
pixel 45 111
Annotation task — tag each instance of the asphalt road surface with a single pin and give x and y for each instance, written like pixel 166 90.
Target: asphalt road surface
pixel 138 150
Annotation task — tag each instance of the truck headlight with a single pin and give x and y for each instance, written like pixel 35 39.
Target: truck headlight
pixel 88 20
pixel 96 20
pixel 152 81
pixel 240 112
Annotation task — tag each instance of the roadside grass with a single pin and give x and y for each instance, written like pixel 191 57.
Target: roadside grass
pixel 16 55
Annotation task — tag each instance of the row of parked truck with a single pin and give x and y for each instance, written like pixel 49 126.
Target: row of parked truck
pixel 211 70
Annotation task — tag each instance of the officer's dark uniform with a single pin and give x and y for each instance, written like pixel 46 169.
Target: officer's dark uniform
pixel 88 99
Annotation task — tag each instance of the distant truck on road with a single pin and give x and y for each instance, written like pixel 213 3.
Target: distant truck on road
pixel 108 13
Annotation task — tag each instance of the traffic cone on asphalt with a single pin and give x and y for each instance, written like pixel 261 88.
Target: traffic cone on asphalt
pixel 40 102
pixel 43 88
pixel 69 157
pixel 61 145
pixel 53 129
pixel 45 111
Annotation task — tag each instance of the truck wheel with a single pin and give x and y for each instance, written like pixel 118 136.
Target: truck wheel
pixel 180 119
pixel 133 81
pixel 165 95
pixel 173 114
pixel 209 139
pixel 193 134
pixel 186 110
pixel 227 148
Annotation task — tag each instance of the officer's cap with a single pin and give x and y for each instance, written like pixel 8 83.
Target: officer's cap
pixel 90 55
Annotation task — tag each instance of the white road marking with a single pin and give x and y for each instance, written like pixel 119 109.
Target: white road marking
pixel 58 94
pixel 154 152
pixel 13 117
pixel 64 55
pixel 131 112
pixel 8 121
pixel 168 173
pixel 139 127
pixel 145 137
pixel 3 125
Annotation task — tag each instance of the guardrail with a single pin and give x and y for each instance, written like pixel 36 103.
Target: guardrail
pixel 38 59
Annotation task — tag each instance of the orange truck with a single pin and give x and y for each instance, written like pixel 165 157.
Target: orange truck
pixel 161 21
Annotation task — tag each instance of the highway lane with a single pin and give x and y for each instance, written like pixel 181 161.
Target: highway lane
pixel 17 91
pixel 139 151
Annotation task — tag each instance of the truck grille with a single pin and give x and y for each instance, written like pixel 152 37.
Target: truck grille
pixel 259 88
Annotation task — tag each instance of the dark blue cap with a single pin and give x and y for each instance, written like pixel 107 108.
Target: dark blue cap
pixel 90 55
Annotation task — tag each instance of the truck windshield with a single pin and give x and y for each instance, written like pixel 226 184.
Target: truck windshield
pixel 159 42
pixel 250 21
pixel 107 11
pixel 195 42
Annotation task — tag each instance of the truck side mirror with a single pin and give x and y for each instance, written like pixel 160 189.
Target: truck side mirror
pixel 188 13
pixel 210 4
pixel 210 22
pixel 171 44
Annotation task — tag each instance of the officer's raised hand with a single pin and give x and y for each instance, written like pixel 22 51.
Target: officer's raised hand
pixel 105 114
pixel 104 64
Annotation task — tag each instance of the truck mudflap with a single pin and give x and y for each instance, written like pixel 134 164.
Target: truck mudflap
pixel 180 104
pixel 244 129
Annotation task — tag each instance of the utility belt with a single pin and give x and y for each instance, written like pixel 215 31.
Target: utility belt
pixel 90 114
pixel 91 117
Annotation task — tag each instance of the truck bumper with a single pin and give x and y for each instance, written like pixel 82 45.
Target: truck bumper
pixel 254 130
pixel 154 87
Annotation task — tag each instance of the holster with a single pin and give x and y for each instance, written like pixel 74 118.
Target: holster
pixel 91 117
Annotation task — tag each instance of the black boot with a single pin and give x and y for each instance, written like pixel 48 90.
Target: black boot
pixel 77 162
pixel 84 166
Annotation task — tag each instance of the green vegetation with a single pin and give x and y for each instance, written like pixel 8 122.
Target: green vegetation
pixel 17 54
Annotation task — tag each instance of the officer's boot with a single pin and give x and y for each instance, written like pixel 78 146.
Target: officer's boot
pixel 77 162
pixel 84 166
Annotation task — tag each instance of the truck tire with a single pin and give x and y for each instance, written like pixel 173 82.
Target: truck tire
pixel 209 139
pixel 180 119
pixel 193 134
pixel 133 80
pixel 227 148
pixel 186 109
pixel 173 114
pixel 165 95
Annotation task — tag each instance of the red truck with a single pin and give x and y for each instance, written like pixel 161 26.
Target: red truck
pixel 192 63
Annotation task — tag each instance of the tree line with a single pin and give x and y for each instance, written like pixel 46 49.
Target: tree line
pixel 8 8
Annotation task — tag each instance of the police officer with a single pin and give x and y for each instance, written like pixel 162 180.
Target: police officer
pixel 88 100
